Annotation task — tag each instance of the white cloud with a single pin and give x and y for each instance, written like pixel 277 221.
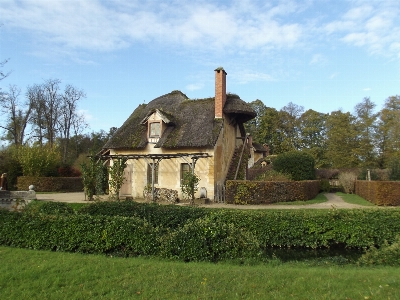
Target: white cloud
pixel 318 59
pixel 194 86
pixel 372 25
pixel 106 26
pixel 334 75
pixel 366 89
pixel 247 76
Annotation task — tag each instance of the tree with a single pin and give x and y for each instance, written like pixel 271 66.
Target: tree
pixel 17 115
pixel 38 161
pixel 90 177
pixel 117 177
pixel 388 131
pixel 2 74
pixel 366 130
pixel 289 117
pixel 313 135
pixel 341 140
pixel 299 165
pixel 253 125
pixel 69 119
pixel 267 131
pixel 190 184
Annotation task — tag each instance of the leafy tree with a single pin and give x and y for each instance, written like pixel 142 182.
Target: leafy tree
pixel 313 135
pixel 268 130
pixel 290 125
pixel 117 177
pixel 253 125
pixel 341 140
pixel 366 130
pixel 388 131
pixel 38 161
pixel 299 165
pixel 394 169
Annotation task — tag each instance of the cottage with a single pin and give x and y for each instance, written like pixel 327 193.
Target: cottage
pixel 173 134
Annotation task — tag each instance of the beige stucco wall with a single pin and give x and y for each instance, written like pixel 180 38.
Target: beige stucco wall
pixel 224 149
pixel 168 171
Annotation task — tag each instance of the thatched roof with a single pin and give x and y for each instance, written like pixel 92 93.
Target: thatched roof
pixel 192 123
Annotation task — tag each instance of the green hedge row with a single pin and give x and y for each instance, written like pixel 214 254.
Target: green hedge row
pixel 379 192
pixel 266 192
pixel 50 184
pixel 215 235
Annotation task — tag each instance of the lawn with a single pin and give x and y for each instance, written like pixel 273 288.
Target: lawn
pixel 321 198
pixel 29 274
pixel 354 199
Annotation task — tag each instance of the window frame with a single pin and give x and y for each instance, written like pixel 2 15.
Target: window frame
pixel 151 124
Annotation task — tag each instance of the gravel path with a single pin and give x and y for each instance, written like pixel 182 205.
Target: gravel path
pixel 334 201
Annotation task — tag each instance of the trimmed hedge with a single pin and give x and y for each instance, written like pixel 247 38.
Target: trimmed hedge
pixel 218 234
pixel 168 216
pixel 379 192
pixel 266 192
pixel 50 184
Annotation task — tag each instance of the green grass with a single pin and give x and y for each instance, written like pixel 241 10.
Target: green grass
pixel 29 274
pixel 354 199
pixel 319 199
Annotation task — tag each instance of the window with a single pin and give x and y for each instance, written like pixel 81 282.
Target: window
pixel 155 129
pixel 149 167
pixel 184 169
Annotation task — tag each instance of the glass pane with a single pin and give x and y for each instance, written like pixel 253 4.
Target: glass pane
pixel 154 129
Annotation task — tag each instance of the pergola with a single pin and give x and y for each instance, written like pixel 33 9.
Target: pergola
pixel 154 159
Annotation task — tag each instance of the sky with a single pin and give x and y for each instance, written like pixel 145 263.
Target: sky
pixel 323 55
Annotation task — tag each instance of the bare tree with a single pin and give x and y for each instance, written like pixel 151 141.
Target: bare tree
pixel 68 116
pixel 17 115
pixel 46 107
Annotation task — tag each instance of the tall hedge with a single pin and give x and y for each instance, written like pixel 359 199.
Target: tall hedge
pixel 299 165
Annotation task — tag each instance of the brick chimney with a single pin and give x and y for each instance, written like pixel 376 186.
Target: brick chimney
pixel 220 91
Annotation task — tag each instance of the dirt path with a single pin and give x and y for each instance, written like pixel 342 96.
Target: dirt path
pixel 334 201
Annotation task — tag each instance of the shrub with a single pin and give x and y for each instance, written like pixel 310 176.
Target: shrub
pixel 272 175
pixel 348 180
pixel 324 185
pixel 299 165
pixel 209 239
pixel 387 254
pixel 68 171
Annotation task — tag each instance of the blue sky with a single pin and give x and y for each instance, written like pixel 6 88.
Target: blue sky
pixel 324 54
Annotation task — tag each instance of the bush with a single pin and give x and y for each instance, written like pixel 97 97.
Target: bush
pixel 348 180
pixel 299 165
pixel 209 239
pixel 68 171
pixel 272 175
pixel 168 216
pixel 51 184
pixel 324 185
pixel 387 254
